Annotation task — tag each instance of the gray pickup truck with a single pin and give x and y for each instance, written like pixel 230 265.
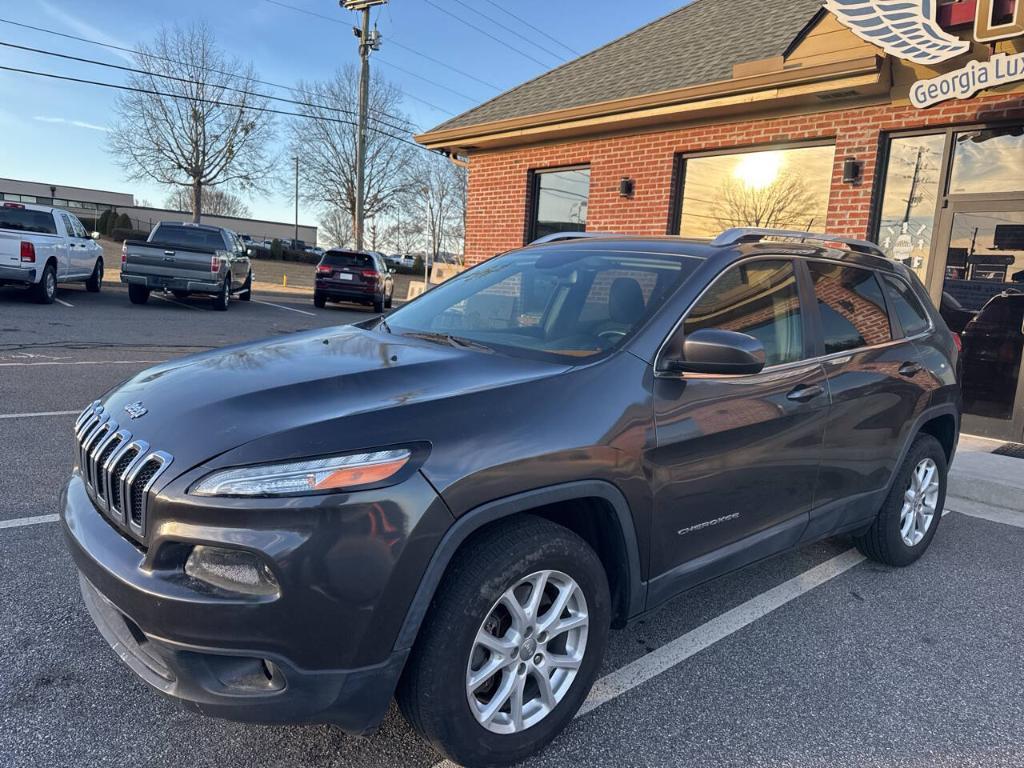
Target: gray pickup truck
pixel 186 258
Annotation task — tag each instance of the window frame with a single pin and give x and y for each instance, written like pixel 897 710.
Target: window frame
pixel 678 191
pixel 894 318
pixel 533 196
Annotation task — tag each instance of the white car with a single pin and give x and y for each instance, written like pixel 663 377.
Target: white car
pixel 42 246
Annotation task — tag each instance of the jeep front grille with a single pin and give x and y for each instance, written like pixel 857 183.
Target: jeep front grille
pixel 118 470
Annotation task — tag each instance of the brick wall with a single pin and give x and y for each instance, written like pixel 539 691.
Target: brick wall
pixel 498 180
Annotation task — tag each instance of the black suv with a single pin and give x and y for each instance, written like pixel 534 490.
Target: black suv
pixel 361 277
pixel 455 503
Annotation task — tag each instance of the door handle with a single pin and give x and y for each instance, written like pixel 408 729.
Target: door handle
pixel 805 392
pixel 910 368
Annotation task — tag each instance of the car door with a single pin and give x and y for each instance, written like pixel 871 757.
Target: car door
pixel 87 250
pixel 735 467
pixel 877 384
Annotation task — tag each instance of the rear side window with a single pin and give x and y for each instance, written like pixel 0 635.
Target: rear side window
pixel 851 305
pixel 906 306
pixel 348 259
pixel 24 220
pixel 759 299
pixel 189 237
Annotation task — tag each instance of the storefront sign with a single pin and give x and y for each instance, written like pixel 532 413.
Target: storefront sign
pixel 907 29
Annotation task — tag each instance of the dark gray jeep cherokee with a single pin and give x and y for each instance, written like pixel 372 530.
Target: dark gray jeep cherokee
pixel 452 505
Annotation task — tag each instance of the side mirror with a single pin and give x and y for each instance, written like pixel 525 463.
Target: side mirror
pixel 711 350
pixel 94 235
pixel 391 271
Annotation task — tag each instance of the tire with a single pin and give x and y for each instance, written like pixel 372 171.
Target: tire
pixel 95 281
pixel 181 294
pixel 378 304
pixel 433 693
pixel 319 301
pixel 896 536
pixel 45 291
pixel 138 294
pixel 222 299
pixel 388 300
pixel 246 293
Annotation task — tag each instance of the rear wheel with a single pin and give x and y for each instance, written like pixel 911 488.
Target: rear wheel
pixel 511 645
pixel 95 280
pixel 138 294
pixel 222 299
pixel 378 304
pixel 907 522
pixel 45 291
pixel 319 300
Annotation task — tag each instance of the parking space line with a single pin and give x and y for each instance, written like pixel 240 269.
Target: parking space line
pixel 38 413
pixel 84 362
pixel 23 521
pixel 987 512
pixel 280 306
pixel 61 301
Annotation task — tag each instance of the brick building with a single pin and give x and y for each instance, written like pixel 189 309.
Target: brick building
pixel 776 113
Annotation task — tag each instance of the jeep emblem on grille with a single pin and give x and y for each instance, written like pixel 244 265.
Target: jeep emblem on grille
pixel 136 410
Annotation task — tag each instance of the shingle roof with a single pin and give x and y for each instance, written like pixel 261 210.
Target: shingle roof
pixel 697 44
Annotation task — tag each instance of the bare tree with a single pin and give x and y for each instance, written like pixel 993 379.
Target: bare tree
pixel 194 120
pixel 336 228
pixel 437 199
pixel 325 143
pixel 785 203
pixel 216 202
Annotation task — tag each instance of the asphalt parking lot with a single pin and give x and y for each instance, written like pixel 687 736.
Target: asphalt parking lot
pixel 816 658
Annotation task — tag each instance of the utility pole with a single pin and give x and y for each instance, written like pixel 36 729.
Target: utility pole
pixel 368 41
pixel 297 198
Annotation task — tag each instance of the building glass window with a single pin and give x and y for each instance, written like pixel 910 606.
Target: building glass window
pixel 987 161
pixel 912 190
pixel 560 201
pixel 777 188
pixel 851 305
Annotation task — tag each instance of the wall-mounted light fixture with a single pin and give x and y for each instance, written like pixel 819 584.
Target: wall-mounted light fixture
pixel 626 187
pixel 853 171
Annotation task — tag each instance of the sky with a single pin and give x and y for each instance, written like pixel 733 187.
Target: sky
pixel 55 131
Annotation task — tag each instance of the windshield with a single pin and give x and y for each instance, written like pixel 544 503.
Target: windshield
pixel 188 237
pixel 549 303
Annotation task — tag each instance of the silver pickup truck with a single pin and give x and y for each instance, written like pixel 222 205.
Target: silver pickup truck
pixel 186 258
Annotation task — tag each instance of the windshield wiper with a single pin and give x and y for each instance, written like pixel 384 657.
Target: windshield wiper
pixel 447 338
pixel 384 324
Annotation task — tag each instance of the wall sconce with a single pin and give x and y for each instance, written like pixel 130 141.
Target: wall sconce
pixel 626 187
pixel 853 171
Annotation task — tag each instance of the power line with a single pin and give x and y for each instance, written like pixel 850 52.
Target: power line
pixel 215 102
pixel 241 91
pixel 198 66
pixel 482 31
pixel 426 80
pixel 523 21
pixel 493 20
pixel 391 41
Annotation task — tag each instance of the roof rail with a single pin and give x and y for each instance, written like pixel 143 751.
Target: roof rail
pixel 739 235
pixel 555 237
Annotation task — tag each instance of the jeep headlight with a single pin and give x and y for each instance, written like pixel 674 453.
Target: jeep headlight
pixel 308 476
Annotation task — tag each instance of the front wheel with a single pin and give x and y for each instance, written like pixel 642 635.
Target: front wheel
pixel 511 646
pixel 246 293
pixel 907 522
pixel 95 281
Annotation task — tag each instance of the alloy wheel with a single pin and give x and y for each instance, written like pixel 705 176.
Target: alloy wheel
pixel 919 502
pixel 527 652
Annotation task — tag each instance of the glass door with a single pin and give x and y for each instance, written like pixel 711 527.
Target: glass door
pixel 980 248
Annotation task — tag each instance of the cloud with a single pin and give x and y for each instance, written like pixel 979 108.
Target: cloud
pixel 75 123
pixel 85 29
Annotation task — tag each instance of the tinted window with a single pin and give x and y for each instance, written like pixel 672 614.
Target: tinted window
pixel 347 259
pixel 851 305
pixel 905 304
pixel 189 237
pixel 759 299
pixel 24 220
pixel 561 200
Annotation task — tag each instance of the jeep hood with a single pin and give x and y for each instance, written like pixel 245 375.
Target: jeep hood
pixel 200 406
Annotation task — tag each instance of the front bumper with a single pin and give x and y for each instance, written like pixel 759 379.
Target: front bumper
pixel 296 657
pixel 20 275
pixel 156 283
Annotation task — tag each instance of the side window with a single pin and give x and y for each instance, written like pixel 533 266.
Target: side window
pixel 760 299
pixel 906 305
pixel 80 230
pixel 69 228
pixel 852 308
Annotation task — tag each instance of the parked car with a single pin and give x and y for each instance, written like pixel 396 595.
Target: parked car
pixel 42 246
pixel 954 313
pixel 186 258
pixel 453 504
pixel 993 342
pixel 360 277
